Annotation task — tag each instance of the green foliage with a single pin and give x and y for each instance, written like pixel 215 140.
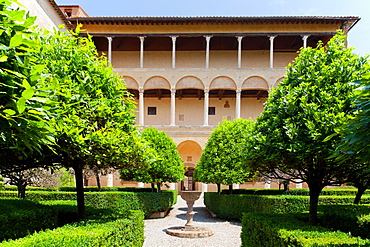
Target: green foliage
pixel 24 102
pixel 347 218
pixel 298 192
pixel 119 232
pixel 279 230
pixel 167 166
pixel 311 103
pixel 232 206
pixel 223 157
pixel 120 202
pixel 19 218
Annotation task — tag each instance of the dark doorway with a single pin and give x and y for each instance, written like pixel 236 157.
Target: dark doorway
pixel 188 183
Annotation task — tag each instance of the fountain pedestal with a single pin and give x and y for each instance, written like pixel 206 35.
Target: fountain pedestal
pixel 190 231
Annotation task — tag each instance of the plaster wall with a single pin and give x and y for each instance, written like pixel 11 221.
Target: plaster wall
pixel 47 17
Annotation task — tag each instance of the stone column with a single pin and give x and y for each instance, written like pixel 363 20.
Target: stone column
pixel 141 107
pixel 174 51
pixel 204 187
pixel 172 186
pixel 304 38
pixel 142 38
pixel 235 186
pixel 110 180
pixel 299 184
pixel 208 39
pixel 238 103
pixel 268 184
pixel 272 51
pixel 110 39
pixel 206 103
pixel 173 107
pixel 140 184
pixel 240 38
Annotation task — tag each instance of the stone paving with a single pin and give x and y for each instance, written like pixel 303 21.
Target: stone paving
pixel 226 233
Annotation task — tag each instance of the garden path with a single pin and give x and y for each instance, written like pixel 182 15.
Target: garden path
pixel 226 233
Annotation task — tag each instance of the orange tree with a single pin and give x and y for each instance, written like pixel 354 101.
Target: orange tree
pixel 310 104
pixel 223 157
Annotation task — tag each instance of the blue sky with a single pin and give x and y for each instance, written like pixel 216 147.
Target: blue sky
pixel 359 36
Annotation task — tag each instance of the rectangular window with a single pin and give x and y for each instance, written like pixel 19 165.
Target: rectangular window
pixel 212 110
pixel 181 117
pixel 152 110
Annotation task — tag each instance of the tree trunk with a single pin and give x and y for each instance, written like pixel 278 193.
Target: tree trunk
pixel 98 180
pixel 153 187
pixel 360 192
pixel 21 186
pixel 80 192
pixel 314 201
pixel 219 188
pixel 159 187
pixel 230 189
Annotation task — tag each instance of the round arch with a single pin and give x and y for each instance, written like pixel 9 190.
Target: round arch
pixel 276 85
pixel 130 83
pixel 157 82
pixel 189 82
pixel 190 152
pixel 223 82
pixel 255 82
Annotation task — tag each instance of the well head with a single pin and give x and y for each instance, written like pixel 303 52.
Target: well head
pixel 190 196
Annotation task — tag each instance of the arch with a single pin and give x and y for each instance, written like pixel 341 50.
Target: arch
pixel 189 149
pixel 189 82
pixel 276 85
pixel 255 82
pixel 130 83
pixel 157 82
pixel 222 82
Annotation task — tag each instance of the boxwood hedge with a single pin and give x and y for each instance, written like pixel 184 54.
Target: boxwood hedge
pixel 108 232
pixel 280 230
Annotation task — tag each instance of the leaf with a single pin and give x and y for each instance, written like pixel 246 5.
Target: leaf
pixel 3 59
pixel 28 93
pixel 9 112
pixel 26 84
pixel 21 105
pixel 16 40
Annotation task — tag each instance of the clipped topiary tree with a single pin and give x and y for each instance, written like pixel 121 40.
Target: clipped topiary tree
pixel 311 103
pixel 165 166
pixel 223 157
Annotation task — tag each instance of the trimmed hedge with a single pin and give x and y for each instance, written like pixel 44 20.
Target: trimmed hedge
pixel 148 202
pixel 86 189
pixel 20 217
pixel 119 232
pixel 232 206
pixel 280 230
pixel 347 218
pixel 298 192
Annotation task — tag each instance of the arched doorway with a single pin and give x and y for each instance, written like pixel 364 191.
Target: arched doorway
pixel 190 152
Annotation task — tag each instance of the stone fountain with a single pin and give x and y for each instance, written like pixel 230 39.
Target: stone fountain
pixel 189 230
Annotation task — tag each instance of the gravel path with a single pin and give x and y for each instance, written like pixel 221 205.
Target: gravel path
pixel 225 233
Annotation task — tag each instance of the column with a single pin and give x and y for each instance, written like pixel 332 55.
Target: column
pixel 174 51
pixel 299 184
pixel 173 106
pixel 238 103
pixel 304 38
pixel 272 51
pixel 142 38
pixel 110 39
pixel 268 184
pixel 208 39
pixel 172 186
pixel 140 184
pixel 110 180
pixel 206 102
pixel 141 106
pixel 235 186
pixel 204 187
pixel 240 38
